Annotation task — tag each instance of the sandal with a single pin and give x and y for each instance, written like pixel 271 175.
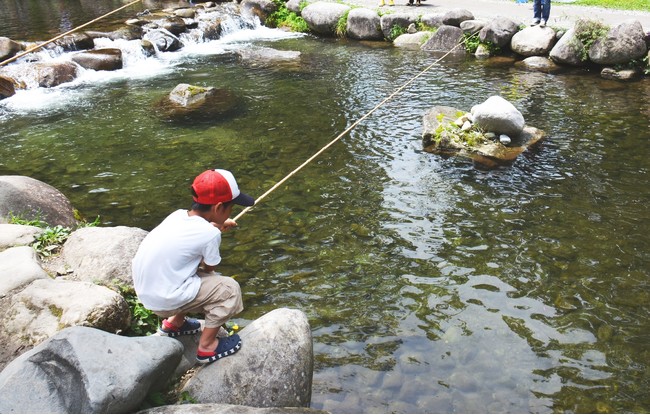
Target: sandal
pixel 226 347
pixel 190 326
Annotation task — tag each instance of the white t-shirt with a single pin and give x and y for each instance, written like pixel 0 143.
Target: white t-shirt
pixel 164 268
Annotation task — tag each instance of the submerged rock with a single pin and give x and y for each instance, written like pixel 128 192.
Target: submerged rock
pixel 194 103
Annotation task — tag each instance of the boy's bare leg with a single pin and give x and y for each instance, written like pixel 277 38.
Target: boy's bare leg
pixel 176 320
pixel 209 341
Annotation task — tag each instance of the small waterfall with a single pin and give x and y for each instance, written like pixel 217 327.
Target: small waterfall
pixel 212 32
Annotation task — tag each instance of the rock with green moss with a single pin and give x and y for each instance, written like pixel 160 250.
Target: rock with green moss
pixel 450 131
pixel 196 103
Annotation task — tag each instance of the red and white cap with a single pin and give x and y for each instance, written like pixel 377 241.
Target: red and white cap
pixel 215 186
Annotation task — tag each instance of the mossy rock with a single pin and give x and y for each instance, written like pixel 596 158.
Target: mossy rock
pixel 441 135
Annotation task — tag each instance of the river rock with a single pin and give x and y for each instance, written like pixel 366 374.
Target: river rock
pixel 47 75
pixel 220 408
pixel 364 24
pixel 498 115
pixel 622 44
pixel 75 41
pixel 263 56
pixel 402 20
pixel 533 41
pixel 323 17
pixel 85 370
pixel 31 199
pixel 540 64
pixel 7 88
pixel 260 8
pixel 445 39
pixel 17 235
pixel 432 19
pixel 193 103
pixel 45 306
pixel 8 48
pixel 568 50
pixel 472 26
pixel 108 59
pixel 294 6
pixel 186 13
pixel 273 368
pixel 499 31
pixel 442 136
pixel 19 266
pixel 621 75
pixel 174 25
pixel 455 17
pixel 163 40
pixel 414 41
pixel 101 255
pixel 128 32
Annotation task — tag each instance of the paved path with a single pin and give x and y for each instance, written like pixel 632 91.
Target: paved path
pixel 562 14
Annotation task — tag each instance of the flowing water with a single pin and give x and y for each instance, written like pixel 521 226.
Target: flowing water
pixel 430 285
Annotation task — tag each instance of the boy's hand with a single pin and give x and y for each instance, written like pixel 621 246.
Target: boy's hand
pixel 226 225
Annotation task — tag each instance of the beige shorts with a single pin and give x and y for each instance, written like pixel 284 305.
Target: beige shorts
pixel 219 298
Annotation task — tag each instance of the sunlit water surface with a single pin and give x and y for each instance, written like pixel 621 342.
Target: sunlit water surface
pixel 430 285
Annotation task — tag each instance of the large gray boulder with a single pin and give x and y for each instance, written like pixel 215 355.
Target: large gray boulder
pixel 85 370
pixel 499 116
pixel 19 266
pixel 17 235
pixel 273 368
pixel 322 17
pixel 499 31
pixel 539 64
pixel 622 44
pixel 445 39
pixel 364 24
pixel 455 17
pixel 101 255
pixel 533 41
pixel 32 199
pixel 108 59
pixel 569 50
pixel 46 306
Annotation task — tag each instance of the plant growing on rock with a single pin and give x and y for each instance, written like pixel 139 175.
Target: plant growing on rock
pixel 284 17
pixel 395 32
pixel 587 32
pixel 342 25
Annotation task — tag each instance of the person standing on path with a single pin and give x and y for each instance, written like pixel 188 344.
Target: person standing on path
pixel 541 12
pixel 173 269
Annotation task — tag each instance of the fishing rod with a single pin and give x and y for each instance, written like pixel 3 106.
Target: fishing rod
pixel 352 126
pixel 39 46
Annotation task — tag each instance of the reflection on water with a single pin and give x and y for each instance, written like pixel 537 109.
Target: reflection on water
pixel 430 285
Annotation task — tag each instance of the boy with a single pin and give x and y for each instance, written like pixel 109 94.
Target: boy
pixel 173 268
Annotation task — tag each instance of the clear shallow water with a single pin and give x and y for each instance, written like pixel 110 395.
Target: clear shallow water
pixel 430 285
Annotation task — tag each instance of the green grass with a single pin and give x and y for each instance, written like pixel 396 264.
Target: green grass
pixel 643 5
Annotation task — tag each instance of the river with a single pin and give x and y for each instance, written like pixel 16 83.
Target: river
pixel 431 285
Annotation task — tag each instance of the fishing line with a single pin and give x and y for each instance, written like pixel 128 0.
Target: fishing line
pixel 352 126
pixel 37 47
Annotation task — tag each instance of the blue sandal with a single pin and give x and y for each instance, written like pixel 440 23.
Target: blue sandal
pixel 190 326
pixel 226 347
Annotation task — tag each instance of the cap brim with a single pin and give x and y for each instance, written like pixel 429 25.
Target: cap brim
pixel 244 200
